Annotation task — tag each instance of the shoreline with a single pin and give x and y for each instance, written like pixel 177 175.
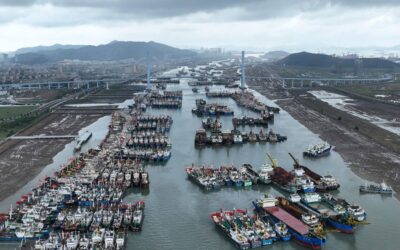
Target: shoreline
pixel 364 156
pixel 23 160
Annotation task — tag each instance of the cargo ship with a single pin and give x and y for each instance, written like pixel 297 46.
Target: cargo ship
pixel 317 150
pixel 304 214
pixel 301 232
pixel 323 183
pixel 281 178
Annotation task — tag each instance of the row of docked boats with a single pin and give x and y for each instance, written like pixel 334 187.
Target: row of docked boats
pixel 144 137
pixel 157 140
pixel 211 109
pixel 81 206
pixel 211 124
pixel 104 239
pixel 146 155
pixel 218 94
pixel 250 121
pixel 148 127
pixel 248 100
pixel 297 180
pixel 229 137
pixel 210 178
pixel 166 99
pixel 281 219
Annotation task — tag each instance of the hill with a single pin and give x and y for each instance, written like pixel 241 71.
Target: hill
pixel 305 59
pixel 112 51
pixel 275 55
pixel 45 48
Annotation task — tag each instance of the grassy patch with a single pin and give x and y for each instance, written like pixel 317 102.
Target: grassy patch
pixel 11 111
pixel 8 128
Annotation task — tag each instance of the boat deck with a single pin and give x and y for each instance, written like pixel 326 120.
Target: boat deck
pixel 288 219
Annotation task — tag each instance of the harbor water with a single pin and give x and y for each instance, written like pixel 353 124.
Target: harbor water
pixel 177 214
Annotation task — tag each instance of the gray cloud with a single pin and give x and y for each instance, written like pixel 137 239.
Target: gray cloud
pixel 252 9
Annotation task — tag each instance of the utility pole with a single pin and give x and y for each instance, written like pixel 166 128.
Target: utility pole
pixel 148 72
pixel 243 75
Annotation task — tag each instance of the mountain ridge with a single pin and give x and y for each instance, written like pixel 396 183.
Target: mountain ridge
pixel 115 50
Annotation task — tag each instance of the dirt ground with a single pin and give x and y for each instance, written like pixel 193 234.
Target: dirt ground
pixel 373 156
pixel 21 160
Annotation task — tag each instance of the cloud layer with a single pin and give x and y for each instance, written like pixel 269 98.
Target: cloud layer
pixel 256 23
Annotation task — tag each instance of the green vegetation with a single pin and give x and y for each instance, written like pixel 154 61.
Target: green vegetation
pixel 14 111
pixel 8 128
pixel 383 92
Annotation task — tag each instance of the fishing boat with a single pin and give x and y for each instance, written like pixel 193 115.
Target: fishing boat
pixel 294 198
pixel 237 138
pixel 223 221
pixel 382 188
pixel 71 240
pixel 84 243
pixel 282 231
pixel 137 220
pixel 309 198
pixel 235 178
pixel 144 180
pixel 118 219
pixel 109 239
pixel 98 236
pixel 82 139
pixel 251 173
pixel 120 240
pixel 317 150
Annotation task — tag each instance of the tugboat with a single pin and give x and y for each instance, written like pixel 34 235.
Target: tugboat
pixel 376 189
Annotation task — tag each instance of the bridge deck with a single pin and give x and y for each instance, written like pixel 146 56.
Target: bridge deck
pixel 32 137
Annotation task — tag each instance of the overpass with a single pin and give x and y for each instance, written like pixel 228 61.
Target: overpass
pixel 148 78
pixel 105 83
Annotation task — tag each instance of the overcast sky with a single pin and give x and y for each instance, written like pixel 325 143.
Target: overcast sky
pixel 270 24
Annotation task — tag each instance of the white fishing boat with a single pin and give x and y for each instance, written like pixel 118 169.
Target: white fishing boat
pixel 120 240
pixel 109 238
pixel 357 212
pixel 311 198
